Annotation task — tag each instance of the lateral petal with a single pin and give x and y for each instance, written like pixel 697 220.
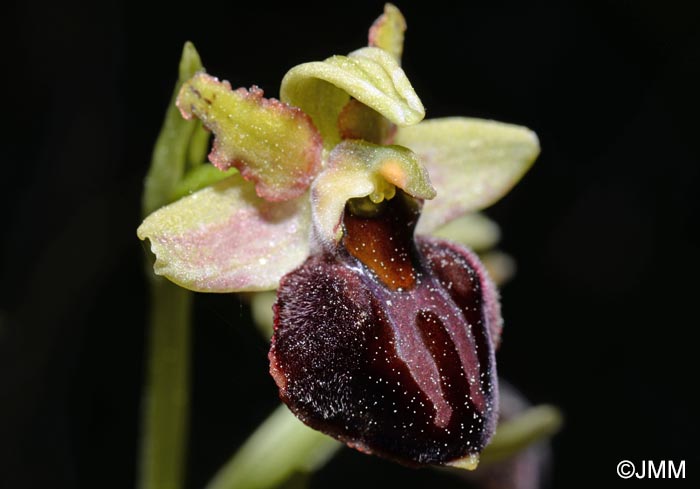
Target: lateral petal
pixel 271 143
pixel 387 31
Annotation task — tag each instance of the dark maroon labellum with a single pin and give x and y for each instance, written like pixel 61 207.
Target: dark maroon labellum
pixel 388 343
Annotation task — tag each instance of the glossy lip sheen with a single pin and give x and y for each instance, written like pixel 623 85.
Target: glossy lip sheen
pixel 403 368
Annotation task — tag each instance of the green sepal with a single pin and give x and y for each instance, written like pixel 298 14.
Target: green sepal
pixel 472 163
pixel 369 75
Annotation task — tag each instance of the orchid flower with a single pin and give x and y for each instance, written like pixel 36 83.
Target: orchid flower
pixel 384 336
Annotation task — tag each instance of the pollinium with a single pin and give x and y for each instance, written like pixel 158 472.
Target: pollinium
pixel 386 342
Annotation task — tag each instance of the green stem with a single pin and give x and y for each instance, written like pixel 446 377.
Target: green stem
pixel 281 447
pixel 166 398
pixel 530 426
pixel 165 410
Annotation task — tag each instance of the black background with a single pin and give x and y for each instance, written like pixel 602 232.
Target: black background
pixel 604 227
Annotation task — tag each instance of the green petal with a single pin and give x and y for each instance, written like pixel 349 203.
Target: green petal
pixel 271 143
pixel 370 75
pixel 225 238
pixel 387 31
pixel 360 169
pixel 472 163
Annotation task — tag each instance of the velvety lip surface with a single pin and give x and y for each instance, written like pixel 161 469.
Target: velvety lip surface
pixel 386 344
